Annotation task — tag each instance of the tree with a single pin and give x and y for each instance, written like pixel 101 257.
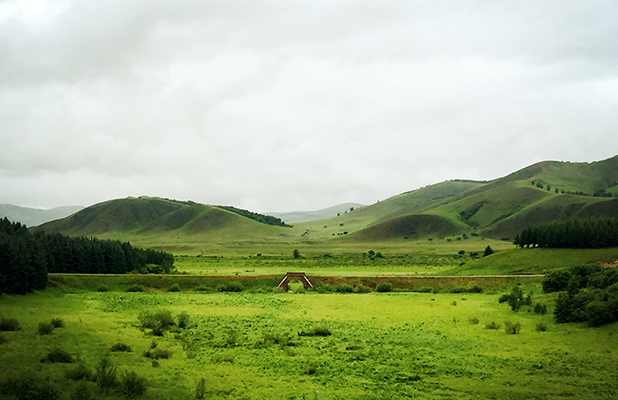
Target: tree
pixel 296 254
pixel 488 251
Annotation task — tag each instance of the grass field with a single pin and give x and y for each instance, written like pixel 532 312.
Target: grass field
pixel 381 346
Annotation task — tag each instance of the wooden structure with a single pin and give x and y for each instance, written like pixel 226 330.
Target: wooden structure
pixel 299 276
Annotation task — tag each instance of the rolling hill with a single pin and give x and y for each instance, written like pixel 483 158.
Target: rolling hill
pixel 500 208
pixel 306 216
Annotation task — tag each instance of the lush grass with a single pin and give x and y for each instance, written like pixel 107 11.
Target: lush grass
pixel 381 345
pixel 534 261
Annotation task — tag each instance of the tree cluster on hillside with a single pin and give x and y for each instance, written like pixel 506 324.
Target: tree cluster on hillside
pixel 25 259
pixel 265 219
pixel 576 233
pixel 588 293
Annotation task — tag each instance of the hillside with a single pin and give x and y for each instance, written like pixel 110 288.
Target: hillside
pixel 35 216
pixel 158 221
pixel 499 209
pixel 540 193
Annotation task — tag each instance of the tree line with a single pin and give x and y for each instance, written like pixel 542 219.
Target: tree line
pixel 25 258
pixel 264 219
pixel 575 234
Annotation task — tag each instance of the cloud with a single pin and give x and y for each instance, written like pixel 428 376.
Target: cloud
pixel 279 106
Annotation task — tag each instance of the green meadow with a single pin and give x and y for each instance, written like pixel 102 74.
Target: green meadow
pixel 253 345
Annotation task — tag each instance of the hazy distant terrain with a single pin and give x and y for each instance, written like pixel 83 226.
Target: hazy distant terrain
pixel 35 216
pixel 305 216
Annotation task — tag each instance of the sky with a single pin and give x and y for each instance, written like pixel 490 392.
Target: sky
pixel 296 105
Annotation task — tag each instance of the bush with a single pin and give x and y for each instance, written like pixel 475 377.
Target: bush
pixel 158 321
pixel 135 288
pixel 57 355
pixel 106 375
pixel 45 328
pixel 57 323
pixel 231 286
pixel 270 339
pixel 473 321
pixel 540 309
pixel 201 289
pixel 174 288
pixel 311 367
pixel 384 287
pixel 424 289
pixel 318 330
pixel 3 339
pixel 475 289
pixel 492 325
pixel 345 288
pixel 360 288
pixel 512 328
pixel 27 388
pixel 102 288
pixel 9 324
pixel 121 347
pixel 158 354
pixel 541 327
pixel 133 385
pixel 183 319
pixel 459 289
pixel 323 288
pixel 80 373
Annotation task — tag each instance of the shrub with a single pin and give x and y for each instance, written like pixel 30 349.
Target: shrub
pixel 201 289
pixel 504 298
pixel 322 288
pixel 135 288
pixel 231 286
pixel 45 328
pixel 360 288
pixel 229 358
pixel 106 375
pixel 158 321
pixel 102 288
pixel 270 339
pixel 121 347
pixel 57 323
pixel 473 321
pixel 540 308
pixel 311 368
pixel 57 355
pixel 384 287
pixel 28 388
pixel 541 327
pixel 512 328
pixel 133 385
pixel 318 330
pixel 3 339
pixel 9 324
pixel 80 373
pixel 345 288
pixel 475 289
pixel 174 288
pixel 183 319
pixel 158 354
pixel 459 289
pixel 424 289
pixel 492 325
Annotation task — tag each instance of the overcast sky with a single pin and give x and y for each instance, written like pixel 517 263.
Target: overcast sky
pixel 296 105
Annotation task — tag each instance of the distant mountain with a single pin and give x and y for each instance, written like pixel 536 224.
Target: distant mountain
pixel 305 216
pixel 35 216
